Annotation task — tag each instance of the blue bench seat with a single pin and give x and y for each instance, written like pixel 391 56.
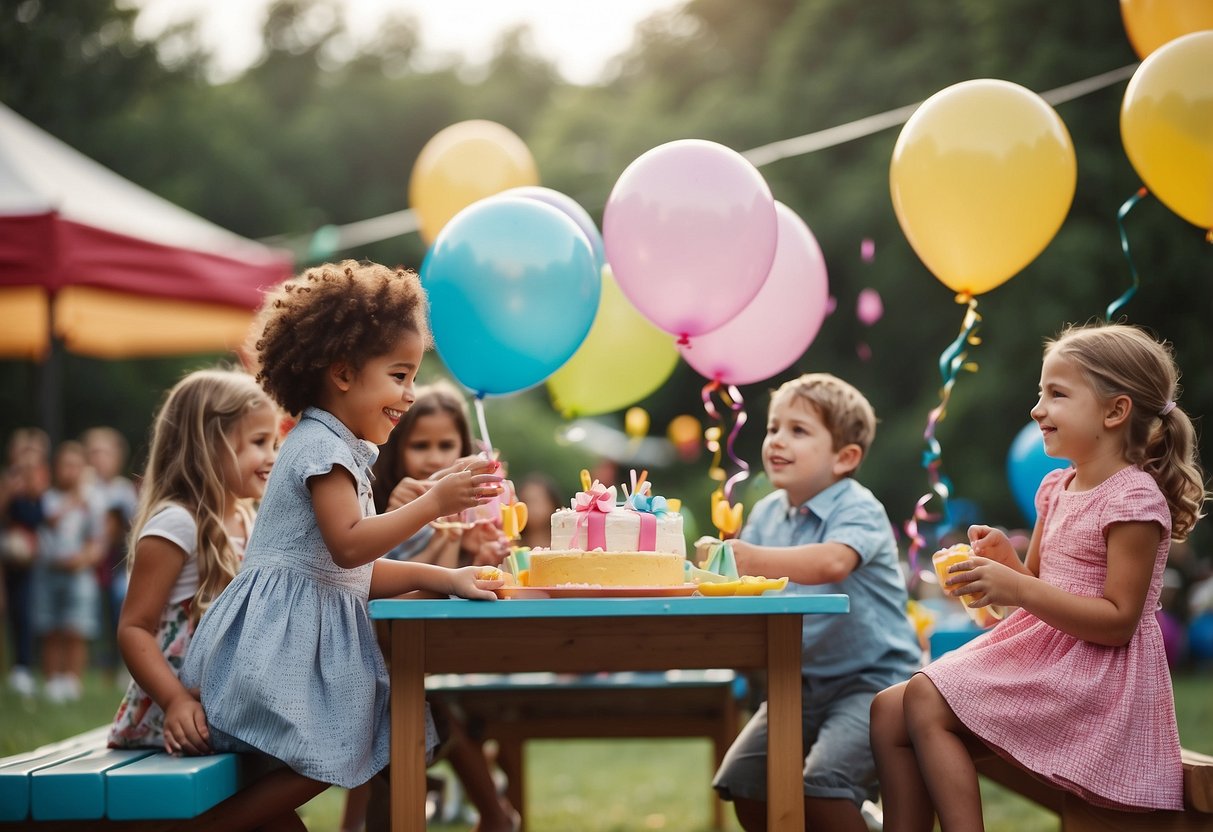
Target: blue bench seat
pixel 79 779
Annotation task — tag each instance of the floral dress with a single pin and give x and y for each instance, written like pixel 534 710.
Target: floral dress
pixel 139 722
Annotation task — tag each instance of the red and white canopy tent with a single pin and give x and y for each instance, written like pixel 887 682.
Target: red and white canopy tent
pixel 93 263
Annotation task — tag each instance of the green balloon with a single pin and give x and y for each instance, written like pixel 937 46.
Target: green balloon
pixel 622 360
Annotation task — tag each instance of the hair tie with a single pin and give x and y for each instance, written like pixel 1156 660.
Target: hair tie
pixel 1167 408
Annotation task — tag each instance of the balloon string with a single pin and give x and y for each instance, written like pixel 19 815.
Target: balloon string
pixel 952 361
pixel 1118 304
pixel 482 423
pixel 743 469
pixel 732 398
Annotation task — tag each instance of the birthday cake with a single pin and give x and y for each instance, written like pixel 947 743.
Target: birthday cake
pixel 600 542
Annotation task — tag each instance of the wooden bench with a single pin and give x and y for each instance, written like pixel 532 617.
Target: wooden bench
pixel 515 707
pixel 1076 814
pixel 79 783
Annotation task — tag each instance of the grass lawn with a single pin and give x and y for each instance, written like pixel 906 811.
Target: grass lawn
pixel 590 785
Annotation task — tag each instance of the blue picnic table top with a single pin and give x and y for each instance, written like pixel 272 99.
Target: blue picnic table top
pixel 461 608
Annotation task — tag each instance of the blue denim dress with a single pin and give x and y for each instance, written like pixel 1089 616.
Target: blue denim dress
pixel 286 657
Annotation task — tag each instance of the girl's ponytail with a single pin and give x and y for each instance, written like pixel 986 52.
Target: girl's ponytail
pixel 1170 456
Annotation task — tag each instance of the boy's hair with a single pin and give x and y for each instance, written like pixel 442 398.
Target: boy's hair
pixel 845 412
pixel 439 397
pixel 1121 360
pixel 348 311
pixel 190 441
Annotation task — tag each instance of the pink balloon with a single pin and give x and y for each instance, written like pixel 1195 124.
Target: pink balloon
pixel 869 308
pixel 690 233
pixel 778 325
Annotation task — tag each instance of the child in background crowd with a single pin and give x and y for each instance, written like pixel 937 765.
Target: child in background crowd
pixel 213 444
pixel 65 592
pixel 1073 686
pixel 828 534
pixel 286 658
pixel 116 499
pixel 25 480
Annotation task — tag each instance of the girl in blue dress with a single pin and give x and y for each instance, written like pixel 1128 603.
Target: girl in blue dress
pixel 286 658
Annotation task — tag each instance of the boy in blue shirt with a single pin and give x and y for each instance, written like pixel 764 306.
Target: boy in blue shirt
pixel 828 534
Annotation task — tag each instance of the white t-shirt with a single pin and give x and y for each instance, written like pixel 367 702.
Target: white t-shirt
pixel 176 524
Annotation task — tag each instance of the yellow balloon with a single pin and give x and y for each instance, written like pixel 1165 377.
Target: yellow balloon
pixel 1151 23
pixel 683 430
pixel 1166 124
pixel 462 164
pixel 982 177
pixel 636 422
pixel 623 359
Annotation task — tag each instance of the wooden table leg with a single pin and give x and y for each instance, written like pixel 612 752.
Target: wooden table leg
pixel 408 726
pixel 785 755
pixel 726 732
pixel 512 762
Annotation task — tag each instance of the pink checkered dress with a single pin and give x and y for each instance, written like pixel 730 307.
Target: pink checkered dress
pixel 1097 721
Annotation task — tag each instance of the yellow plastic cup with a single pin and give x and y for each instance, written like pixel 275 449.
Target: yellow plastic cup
pixel 944 558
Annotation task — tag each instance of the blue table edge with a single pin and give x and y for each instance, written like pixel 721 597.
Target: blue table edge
pixel 460 608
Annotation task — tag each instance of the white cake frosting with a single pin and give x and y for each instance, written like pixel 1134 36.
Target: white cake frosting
pixel 622 530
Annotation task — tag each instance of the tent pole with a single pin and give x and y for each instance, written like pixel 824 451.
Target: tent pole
pixel 50 396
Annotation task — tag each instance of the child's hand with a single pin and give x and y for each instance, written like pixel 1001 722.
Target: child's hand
pixel 995 582
pixel 988 542
pixel 465 462
pixel 185 730
pixel 463 489
pixel 407 490
pixel 476 582
pixel 486 544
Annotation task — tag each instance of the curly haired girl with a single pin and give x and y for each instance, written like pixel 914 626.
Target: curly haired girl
pixel 286 658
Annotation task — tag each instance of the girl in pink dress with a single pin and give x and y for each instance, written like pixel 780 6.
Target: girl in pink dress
pixel 1073 686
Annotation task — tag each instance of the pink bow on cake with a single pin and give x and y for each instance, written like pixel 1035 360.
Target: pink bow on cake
pixel 598 498
pixel 592 507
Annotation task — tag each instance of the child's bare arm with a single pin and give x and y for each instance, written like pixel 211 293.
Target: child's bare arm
pixel 158 563
pixel 354 540
pixel 809 563
pixel 391 578
pixel 1110 619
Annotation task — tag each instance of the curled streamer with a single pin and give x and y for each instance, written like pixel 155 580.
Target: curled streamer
pixel 952 361
pixel 732 399
pixel 1118 304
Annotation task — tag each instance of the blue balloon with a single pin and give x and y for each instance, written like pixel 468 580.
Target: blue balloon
pixel 1027 464
pixel 572 208
pixel 513 288
pixel 1200 636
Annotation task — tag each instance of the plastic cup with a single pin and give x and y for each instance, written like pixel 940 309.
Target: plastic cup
pixel 942 560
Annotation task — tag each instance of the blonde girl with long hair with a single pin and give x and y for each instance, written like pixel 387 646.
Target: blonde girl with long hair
pixel 213 444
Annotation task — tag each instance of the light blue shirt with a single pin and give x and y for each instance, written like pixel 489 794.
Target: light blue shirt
pixel 876 634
